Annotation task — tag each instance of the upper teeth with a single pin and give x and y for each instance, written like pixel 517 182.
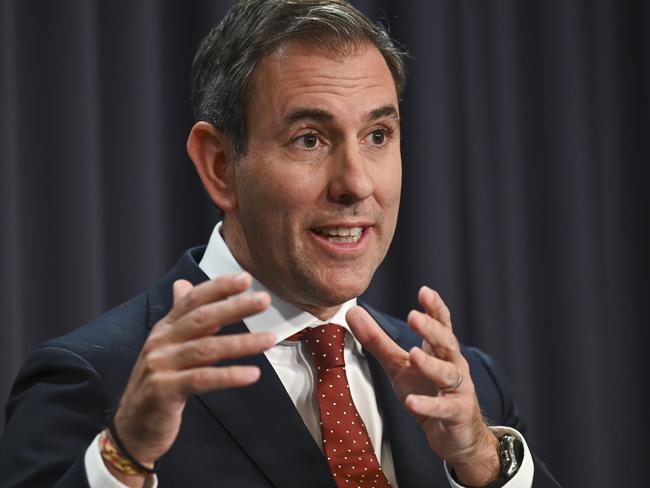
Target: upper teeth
pixel 342 231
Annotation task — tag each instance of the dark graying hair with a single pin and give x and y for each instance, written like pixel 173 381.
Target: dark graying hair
pixel 224 63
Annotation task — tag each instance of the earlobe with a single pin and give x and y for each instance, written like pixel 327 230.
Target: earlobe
pixel 210 150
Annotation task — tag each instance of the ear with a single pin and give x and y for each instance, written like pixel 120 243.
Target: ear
pixel 210 150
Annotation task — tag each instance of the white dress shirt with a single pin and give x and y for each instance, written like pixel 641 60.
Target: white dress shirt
pixel 295 369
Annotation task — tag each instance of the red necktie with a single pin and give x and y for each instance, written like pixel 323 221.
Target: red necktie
pixel 346 442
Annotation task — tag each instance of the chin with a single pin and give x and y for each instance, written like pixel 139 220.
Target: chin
pixel 337 291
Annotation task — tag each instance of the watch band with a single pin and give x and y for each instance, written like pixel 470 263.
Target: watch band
pixel 511 454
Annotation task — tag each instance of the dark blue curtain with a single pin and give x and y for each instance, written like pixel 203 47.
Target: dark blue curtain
pixel 525 202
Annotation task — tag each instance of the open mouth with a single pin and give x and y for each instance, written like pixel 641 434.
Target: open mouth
pixel 340 234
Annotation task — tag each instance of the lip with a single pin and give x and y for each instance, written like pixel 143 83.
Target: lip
pixel 342 247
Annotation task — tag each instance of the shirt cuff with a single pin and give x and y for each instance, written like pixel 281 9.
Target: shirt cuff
pixel 523 478
pixel 98 474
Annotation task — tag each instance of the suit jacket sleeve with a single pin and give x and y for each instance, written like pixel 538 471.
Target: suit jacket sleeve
pixel 509 415
pixel 56 407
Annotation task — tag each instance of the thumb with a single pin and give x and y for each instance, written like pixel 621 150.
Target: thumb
pixel 375 340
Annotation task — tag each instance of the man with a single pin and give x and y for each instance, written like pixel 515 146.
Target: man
pixel 219 375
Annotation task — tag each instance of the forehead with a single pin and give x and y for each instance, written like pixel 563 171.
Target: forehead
pixel 345 83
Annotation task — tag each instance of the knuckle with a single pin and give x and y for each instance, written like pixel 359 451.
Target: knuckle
pixel 227 308
pixel 203 350
pixel 202 379
pixel 452 375
pixel 200 315
pixel 237 308
pixel 229 376
pixel 150 363
pixel 450 342
pixel 238 304
pixel 453 408
pixel 440 351
pixel 189 301
pixel 155 385
pixel 155 339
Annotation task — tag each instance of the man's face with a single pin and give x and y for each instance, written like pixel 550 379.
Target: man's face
pixel 318 189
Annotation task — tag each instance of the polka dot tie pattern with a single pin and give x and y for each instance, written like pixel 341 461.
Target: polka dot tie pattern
pixel 346 442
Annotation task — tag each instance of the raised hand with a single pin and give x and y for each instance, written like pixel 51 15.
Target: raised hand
pixel 434 383
pixel 178 360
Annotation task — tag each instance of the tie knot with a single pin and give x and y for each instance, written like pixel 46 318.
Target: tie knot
pixel 326 343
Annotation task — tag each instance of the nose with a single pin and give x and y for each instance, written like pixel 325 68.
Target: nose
pixel 350 180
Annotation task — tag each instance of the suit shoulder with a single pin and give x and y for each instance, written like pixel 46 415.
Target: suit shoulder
pixel 123 324
pixel 111 342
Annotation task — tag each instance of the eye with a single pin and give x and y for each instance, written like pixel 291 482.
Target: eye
pixel 378 136
pixel 308 141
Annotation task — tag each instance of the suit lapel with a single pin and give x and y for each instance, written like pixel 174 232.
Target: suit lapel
pixel 265 423
pixel 415 463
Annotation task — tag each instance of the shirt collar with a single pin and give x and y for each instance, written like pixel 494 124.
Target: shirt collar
pixel 281 317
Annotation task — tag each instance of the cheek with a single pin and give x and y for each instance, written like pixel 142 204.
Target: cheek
pixel 275 196
pixel 389 187
pixel 281 186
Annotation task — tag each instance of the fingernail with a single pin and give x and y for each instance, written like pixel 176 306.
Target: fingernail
pixel 252 373
pixel 258 297
pixel 415 317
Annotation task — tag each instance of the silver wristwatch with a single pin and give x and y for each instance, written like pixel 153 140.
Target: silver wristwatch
pixel 510 453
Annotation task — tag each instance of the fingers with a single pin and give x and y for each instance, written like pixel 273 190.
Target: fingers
pixel 439 361
pixel 434 306
pixel 178 359
pixel 202 380
pixel 184 338
pixel 444 374
pixel 186 300
pixel 164 386
pixel 375 340
pixel 439 339
pixel 210 350
pixel 211 317
pixel 441 408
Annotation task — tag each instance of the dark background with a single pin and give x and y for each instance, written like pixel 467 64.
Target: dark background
pixel 525 202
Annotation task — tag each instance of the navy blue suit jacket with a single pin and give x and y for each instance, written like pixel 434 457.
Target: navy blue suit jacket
pixel 248 437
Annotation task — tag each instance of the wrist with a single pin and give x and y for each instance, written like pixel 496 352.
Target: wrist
pixel 482 465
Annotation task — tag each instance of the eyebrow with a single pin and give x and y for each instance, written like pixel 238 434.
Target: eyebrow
pixel 308 114
pixel 385 111
pixel 319 115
